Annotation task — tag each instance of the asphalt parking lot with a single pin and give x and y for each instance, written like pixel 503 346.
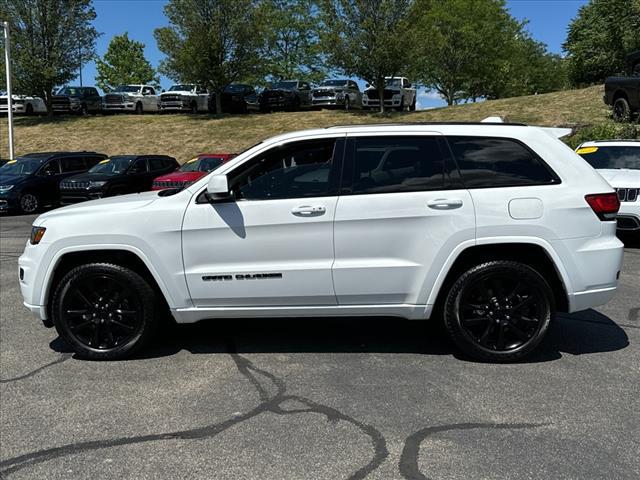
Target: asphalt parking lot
pixel 320 399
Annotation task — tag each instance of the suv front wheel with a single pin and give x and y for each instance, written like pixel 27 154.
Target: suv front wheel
pixel 104 311
pixel 499 311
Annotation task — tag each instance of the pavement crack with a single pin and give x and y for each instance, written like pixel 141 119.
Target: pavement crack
pixel 63 358
pixel 410 453
pixel 269 402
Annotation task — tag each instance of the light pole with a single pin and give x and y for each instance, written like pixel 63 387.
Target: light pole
pixel 7 60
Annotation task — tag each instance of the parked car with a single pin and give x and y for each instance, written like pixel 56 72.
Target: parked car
pixel 618 161
pixel 80 100
pixel 234 98
pixel 22 104
pixel 497 226
pixel 287 94
pixel 398 93
pixel 116 175
pixel 337 93
pixel 622 93
pixel 184 98
pixel 131 98
pixel 191 171
pixel 30 182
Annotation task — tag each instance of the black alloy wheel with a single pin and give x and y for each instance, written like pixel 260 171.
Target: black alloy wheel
pixel 499 311
pixel 621 110
pixel 104 311
pixel 29 203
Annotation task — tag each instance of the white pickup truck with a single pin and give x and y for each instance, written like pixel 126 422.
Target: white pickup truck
pixel 185 98
pixel 398 94
pixel 131 98
pixel 23 104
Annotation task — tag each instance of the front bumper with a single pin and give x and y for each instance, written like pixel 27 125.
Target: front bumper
pixel 629 216
pixel 71 197
pixel 118 107
pixel 21 108
pixel 8 201
pixel 393 102
pixel 29 263
pixel 174 107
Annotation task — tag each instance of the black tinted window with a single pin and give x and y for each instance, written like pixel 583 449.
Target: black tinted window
pixel 612 157
pixel 296 170
pixel 140 166
pixel 92 161
pixel 51 168
pixel 72 164
pixel 158 164
pixel 498 162
pixel 397 164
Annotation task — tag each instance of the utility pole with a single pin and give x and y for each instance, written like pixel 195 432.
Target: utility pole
pixel 7 60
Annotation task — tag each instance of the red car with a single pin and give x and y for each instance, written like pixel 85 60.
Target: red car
pixel 192 170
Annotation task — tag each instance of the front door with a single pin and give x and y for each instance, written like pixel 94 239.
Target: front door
pixel 272 245
pixel 401 213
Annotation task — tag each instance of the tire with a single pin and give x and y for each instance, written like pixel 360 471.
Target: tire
pixel 28 203
pixel 194 108
pixel 296 104
pixel 621 110
pixel 347 103
pixel 83 110
pixel 138 110
pixel 29 109
pixel 401 107
pixel 104 311
pixel 412 108
pixel 498 311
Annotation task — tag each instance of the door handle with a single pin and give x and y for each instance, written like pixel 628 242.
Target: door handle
pixel 308 211
pixel 445 204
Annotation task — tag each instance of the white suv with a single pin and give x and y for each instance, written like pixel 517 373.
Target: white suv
pixel 492 227
pixel 618 161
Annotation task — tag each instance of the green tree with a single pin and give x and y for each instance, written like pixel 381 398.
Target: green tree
pixel 124 63
pixel 600 37
pixel 292 48
pixel 369 39
pixel 464 45
pixel 211 42
pixel 50 39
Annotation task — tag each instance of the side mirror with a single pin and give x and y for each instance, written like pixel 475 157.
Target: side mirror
pixel 218 189
pixel 408 85
pixel 367 85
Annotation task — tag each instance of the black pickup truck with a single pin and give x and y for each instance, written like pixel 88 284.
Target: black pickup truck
pixel 623 92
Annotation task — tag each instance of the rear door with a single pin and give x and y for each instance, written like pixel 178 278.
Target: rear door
pixel 401 212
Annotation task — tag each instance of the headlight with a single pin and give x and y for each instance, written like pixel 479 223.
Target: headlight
pixel 36 235
pixel 5 188
pixel 97 184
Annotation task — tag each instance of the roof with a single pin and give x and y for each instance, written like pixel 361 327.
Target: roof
pixel 55 154
pixel 411 124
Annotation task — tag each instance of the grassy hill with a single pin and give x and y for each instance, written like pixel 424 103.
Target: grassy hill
pixel 183 136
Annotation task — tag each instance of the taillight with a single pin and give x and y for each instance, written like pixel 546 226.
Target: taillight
pixel 604 205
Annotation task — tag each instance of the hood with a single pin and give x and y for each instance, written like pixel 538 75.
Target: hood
pixel 178 92
pixel 181 177
pixel 621 177
pixel 108 205
pixel 395 89
pixel 88 177
pixel 12 179
pixel 278 91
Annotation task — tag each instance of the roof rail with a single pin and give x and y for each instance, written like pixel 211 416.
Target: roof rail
pixel 401 124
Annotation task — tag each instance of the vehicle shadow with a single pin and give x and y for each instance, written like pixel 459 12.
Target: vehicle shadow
pixel 576 334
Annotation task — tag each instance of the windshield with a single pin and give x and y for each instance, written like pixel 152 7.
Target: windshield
pixel 20 166
pixel 127 88
pixel 334 83
pixel 393 82
pixel 285 86
pixel 112 165
pixel 612 157
pixel 205 164
pixel 234 88
pixel 71 91
pixel 181 88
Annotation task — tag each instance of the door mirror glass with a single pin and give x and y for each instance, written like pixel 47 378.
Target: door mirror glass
pixel 217 188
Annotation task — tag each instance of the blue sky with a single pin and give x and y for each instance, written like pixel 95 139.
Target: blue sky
pixel 548 21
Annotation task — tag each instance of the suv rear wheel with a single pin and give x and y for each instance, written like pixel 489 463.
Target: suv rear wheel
pixel 104 311
pixel 621 110
pixel 499 311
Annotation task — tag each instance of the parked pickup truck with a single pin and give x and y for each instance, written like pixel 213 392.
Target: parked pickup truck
pixel 285 95
pixel 131 98
pixel 81 100
pixel 184 98
pixel 398 94
pixel 337 93
pixel 622 93
pixel 25 104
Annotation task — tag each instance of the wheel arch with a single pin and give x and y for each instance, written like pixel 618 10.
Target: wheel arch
pixel 620 94
pixel 536 254
pixel 124 255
